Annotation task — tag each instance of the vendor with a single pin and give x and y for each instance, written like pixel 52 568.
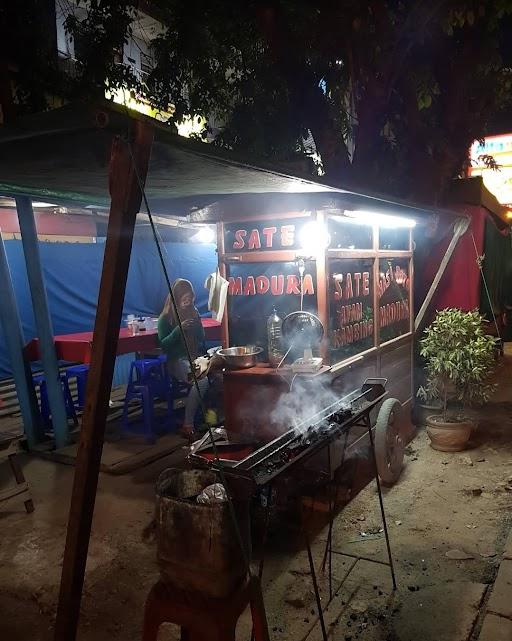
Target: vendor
pixel 171 342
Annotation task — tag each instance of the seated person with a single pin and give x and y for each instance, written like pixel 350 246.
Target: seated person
pixel 171 342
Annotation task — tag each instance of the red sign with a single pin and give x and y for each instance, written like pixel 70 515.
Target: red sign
pixel 263 236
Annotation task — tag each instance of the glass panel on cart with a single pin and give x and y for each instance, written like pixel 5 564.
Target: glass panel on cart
pixel 256 288
pixel 394 238
pixel 394 298
pixel 351 313
pixel 349 233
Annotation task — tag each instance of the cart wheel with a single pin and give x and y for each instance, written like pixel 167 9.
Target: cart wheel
pixel 389 446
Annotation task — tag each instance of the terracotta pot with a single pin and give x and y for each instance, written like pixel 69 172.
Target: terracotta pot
pixel 448 437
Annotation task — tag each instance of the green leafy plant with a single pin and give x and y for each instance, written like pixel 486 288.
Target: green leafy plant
pixel 459 359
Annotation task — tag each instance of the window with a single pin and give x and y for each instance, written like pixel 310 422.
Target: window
pixel 146 63
pixel 351 321
pixel 346 234
pixel 397 239
pixel 394 298
pixel 255 288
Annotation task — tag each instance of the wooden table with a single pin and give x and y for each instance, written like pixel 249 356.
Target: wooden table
pixel 78 347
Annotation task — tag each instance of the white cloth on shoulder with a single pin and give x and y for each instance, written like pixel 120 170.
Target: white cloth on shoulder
pixel 217 287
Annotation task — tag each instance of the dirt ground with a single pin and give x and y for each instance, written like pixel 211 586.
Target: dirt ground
pixel 444 506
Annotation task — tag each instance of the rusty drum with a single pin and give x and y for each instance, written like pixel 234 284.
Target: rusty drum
pixel 198 548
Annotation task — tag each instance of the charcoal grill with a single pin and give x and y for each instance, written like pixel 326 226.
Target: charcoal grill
pixel 307 438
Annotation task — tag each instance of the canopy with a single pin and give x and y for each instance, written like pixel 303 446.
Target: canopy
pixel 62 156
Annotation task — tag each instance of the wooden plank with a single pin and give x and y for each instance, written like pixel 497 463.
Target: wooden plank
pixel 16 490
pixel 322 292
pixel 126 197
pixel 223 273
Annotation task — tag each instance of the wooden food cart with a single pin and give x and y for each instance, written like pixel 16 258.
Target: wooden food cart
pixel 358 279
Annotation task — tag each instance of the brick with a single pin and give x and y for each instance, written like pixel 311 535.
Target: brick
pixel 496 629
pixel 501 597
pixel 507 554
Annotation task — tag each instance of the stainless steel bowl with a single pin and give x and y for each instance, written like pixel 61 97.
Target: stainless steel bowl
pixel 240 357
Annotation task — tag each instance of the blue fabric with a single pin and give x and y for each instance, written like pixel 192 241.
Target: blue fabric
pixel 72 274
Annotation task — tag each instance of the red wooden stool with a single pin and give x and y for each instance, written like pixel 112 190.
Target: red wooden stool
pixel 204 618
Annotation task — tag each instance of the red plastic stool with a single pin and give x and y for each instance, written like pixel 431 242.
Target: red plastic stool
pixel 204 618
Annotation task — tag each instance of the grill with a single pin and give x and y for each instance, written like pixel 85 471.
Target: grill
pixel 307 438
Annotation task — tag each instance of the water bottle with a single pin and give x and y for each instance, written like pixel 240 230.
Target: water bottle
pixel 274 324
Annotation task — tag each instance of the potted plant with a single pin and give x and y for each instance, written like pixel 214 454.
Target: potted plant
pixel 459 358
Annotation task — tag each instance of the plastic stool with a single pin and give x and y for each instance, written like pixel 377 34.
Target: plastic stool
pixel 179 389
pixel 40 381
pixel 146 382
pixel 80 372
pixel 203 618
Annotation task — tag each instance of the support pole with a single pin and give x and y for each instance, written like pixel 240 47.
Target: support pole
pixel 43 319
pixel 459 229
pixel 381 502
pixel 11 325
pixel 125 203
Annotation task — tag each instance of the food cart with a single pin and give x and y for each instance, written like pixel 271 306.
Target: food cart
pixel 350 267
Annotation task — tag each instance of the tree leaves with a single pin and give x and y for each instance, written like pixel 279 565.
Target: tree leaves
pixel 459 358
pixel 391 94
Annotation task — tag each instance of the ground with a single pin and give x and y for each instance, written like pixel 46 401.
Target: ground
pixel 444 507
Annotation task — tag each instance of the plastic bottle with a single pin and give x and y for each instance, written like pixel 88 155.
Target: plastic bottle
pixel 274 324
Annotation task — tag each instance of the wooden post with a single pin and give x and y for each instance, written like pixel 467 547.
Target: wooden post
pixel 322 290
pixel 126 198
pixel 43 319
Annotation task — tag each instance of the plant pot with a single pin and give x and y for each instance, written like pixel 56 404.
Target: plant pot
pixel 450 436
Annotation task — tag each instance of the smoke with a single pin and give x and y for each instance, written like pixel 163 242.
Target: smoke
pixel 307 403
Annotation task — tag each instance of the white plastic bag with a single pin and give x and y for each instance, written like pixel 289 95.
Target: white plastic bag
pixel 215 493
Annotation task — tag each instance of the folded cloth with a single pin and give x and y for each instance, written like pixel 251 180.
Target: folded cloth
pixel 217 287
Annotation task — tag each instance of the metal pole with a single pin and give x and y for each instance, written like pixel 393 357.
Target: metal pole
pixel 43 319
pixel 381 503
pixel 315 585
pixel 11 324
pixel 459 229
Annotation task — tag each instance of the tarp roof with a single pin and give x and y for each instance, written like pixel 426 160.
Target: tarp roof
pixel 62 156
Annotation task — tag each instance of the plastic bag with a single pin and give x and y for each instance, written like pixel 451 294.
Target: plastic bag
pixel 215 493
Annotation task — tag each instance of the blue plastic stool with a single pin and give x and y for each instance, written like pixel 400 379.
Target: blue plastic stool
pixel 146 383
pixel 40 381
pixel 80 372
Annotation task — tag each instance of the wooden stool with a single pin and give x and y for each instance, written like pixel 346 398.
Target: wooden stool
pixel 9 448
pixel 203 618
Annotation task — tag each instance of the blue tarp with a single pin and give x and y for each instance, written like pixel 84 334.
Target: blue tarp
pixel 72 275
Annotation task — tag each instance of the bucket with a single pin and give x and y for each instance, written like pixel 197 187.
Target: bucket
pixel 198 548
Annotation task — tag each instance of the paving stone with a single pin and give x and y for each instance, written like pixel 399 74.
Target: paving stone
pixel 449 617
pixel 507 554
pixel 496 628
pixel 501 601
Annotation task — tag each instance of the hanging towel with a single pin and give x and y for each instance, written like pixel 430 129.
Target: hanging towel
pixel 218 292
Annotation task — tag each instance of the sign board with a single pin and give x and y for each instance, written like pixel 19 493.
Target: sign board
pixel 261 236
pixel 394 298
pixel 498 181
pixel 255 288
pixel 351 317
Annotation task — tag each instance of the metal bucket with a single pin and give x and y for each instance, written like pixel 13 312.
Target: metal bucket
pixel 198 549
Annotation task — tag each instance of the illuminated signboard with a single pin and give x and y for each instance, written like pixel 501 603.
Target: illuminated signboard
pixel 498 182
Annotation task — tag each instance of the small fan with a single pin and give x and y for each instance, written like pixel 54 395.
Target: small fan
pixel 305 331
